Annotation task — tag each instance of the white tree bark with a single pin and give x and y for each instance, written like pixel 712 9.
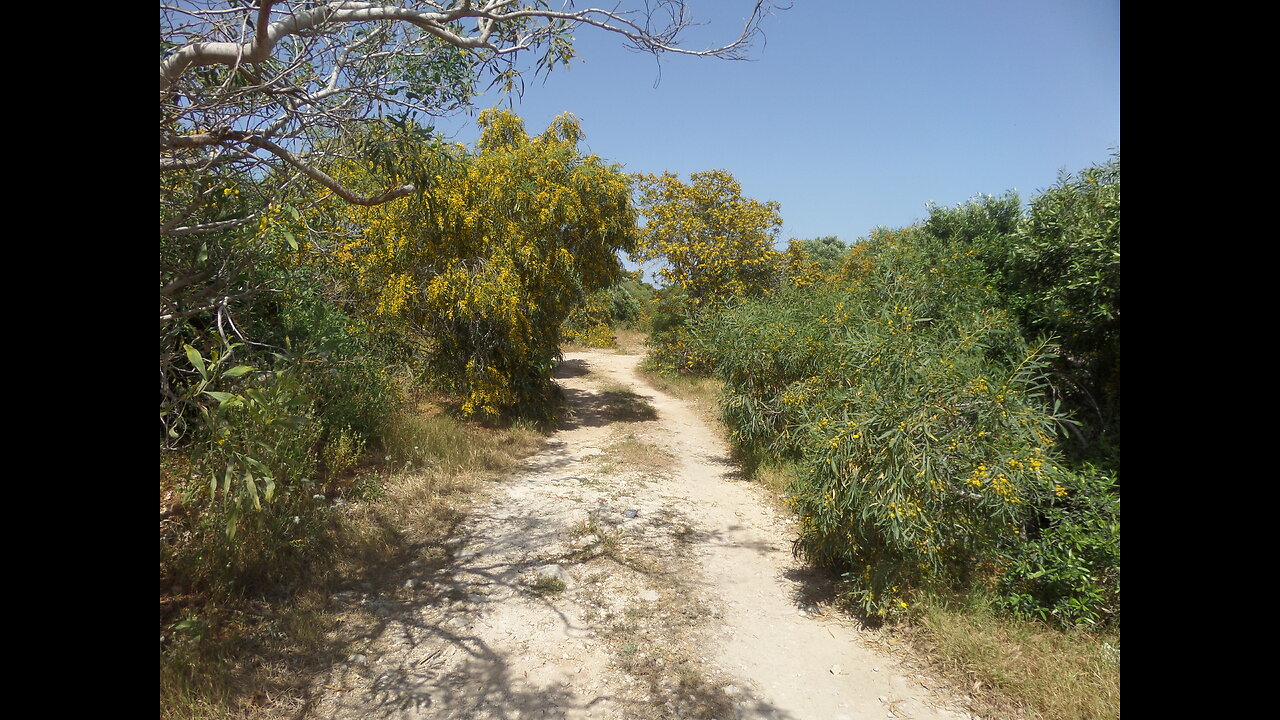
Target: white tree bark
pixel 301 74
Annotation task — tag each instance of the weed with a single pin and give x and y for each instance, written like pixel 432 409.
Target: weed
pixel 547 586
pixel 342 452
pixel 607 542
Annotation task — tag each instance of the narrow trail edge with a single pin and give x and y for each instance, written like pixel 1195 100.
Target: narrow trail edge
pixel 625 571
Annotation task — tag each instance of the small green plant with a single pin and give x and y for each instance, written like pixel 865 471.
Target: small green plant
pixel 582 528
pixel 342 452
pixel 607 540
pixel 546 586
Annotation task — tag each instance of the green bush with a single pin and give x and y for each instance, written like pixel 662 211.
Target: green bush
pixel 1057 269
pixel 918 413
pixel 1069 572
pixel 349 375
pixel 673 347
pixel 250 490
pixel 592 322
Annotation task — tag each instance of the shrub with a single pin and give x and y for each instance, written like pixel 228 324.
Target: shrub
pixel 917 411
pixel 1069 571
pixel 592 322
pixel 250 489
pixel 484 266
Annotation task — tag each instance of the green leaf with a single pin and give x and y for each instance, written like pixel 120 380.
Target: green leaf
pixel 293 212
pixel 261 468
pixel 237 371
pixel 196 360
pixel 221 397
pixel 253 490
pixel 289 238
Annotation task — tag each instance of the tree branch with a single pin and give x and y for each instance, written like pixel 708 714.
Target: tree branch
pixel 224 136
pixel 489 17
pixel 207 227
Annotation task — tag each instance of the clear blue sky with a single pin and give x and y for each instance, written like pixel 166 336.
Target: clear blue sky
pixel 855 113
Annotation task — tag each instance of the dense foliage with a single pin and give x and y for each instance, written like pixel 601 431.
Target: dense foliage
pixel 913 405
pixel 483 269
pixel 626 303
pixel 928 385
pixel 716 246
pixel 280 370
pixel 714 242
pixel 265 398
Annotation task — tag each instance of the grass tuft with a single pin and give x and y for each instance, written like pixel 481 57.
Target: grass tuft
pixel 1021 668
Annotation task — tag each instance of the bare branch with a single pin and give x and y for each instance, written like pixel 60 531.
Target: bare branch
pixel 205 228
pixel 438 23
pixel 205 139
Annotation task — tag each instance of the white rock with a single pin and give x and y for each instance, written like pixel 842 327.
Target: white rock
pixel 551 572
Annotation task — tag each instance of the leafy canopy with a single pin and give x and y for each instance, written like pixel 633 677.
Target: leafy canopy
pixel 485 266
pixel 717 244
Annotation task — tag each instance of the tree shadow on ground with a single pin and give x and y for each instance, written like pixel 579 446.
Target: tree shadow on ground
pixel 571 369
pixel 598 409
pixel 812 587
pixel 434 681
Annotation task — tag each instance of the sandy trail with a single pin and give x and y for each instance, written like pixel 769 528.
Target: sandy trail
pixel 624 572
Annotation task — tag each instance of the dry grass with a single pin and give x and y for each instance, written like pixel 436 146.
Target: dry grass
pixel 633 453
pixel 1021 669
pixel 255 658
pixel 440 442
pixel 631 342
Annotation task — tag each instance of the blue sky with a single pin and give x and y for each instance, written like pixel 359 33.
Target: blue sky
pixel 857 113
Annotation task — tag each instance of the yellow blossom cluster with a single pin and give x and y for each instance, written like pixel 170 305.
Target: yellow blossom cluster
pixel 486 264
pixel 716 243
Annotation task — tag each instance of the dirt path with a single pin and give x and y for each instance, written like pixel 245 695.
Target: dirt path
pixel 625 572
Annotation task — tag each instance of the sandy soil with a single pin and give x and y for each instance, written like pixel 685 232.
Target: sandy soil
pixel 624 572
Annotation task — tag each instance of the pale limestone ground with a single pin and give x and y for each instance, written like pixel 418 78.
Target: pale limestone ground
pixel 681 597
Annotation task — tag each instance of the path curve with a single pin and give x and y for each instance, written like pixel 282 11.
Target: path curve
pixel 624 572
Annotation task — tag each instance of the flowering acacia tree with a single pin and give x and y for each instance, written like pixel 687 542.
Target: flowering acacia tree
pixel 716 246
pixel 716 243
pixel 261 100
pixel 485 267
